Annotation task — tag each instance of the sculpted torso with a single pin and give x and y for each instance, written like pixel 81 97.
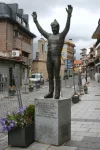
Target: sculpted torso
pixel 55 43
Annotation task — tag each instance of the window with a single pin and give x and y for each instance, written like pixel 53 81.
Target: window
pixel 15 33
pixel 18 19
pixel 24 24
pixel 42 48
pixel 22 37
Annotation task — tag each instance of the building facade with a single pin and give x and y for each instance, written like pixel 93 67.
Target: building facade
pixel 83 58
pixel 69 57
pixel 96 47
pixel 77 66
pixel 16 42
pixel 91 63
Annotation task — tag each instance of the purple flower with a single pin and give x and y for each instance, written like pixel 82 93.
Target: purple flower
pixel 12 124
pixel 3 121
pixel 24 108
pixel 4 129
pixel 8 128
pixel 5 114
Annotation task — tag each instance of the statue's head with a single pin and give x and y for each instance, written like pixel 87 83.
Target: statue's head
pixel 55 27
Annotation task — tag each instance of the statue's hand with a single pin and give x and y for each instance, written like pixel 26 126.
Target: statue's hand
pixel 69 10
pixel 34 15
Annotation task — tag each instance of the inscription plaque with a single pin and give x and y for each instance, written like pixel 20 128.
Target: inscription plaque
pixel 46 109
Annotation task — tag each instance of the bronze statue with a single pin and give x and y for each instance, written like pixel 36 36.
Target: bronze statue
pixel 55 45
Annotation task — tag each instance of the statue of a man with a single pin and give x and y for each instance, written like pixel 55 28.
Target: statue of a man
pixel 55 45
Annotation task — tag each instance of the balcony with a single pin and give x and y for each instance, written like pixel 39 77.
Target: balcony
pixel 83 54
pixel 20 44
pixel 26 61
pixel 71 50
pixel 5 54
pixel 70 56
pixel 91 60
pixel 92 53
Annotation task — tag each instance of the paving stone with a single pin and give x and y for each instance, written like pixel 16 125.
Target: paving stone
pixel 94 130
pixel 92 134
pixel 96 145
pixel 85 149
pixel 91 126
pixel 3 144
pixel 75 125
pixel 62 148
pixel 77 138
pixel 80 144
pixel 34 146
pixel 91 139
pixel 84 123
pixel 73 132
pixel 73 122
pixel 98 135
pixel 80 129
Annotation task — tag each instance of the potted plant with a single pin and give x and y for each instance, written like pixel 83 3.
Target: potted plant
pixel 75 97
pixel 85 89
pixel 31 87
pixel 12 90
pixel 20 126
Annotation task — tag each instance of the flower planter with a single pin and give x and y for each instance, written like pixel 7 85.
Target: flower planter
pixel 31 89
pixel 86 91
pixel 12 92
pixel 21 137
pixel 75 98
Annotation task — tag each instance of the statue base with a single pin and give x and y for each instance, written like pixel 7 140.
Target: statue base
pixel 52 121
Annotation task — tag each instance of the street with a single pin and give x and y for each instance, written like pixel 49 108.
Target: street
pixel 10 104
pixel 85 119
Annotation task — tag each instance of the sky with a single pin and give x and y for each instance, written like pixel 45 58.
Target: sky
pixel 84 19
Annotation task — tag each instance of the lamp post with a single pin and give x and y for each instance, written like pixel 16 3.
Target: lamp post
pixel 86 69
pixel 73 75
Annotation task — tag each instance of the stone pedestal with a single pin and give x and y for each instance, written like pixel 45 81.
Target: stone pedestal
pixel 52 121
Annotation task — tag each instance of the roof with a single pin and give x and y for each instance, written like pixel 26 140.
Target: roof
pixel 83 49
pixel 10 12
pixel 96 34
pixel 79 62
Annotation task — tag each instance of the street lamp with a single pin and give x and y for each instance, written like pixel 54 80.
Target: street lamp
pixel 86 69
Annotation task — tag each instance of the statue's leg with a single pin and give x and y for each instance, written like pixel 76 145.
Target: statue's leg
pixel 51 77
pixel 57 65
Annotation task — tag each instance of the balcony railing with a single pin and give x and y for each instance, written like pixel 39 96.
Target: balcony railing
pixel 92 53
pixel 70 50
pixel 70 56
pixel 26 60
pixel 91 60
pixel 83 53
pixel 5 54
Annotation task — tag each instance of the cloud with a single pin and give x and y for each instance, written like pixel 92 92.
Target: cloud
pixel 83 22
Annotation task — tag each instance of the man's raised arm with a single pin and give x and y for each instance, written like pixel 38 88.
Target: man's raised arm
pixel 44 33
pixel 67 27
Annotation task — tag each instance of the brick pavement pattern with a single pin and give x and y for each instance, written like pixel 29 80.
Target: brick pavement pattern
pixel 85 120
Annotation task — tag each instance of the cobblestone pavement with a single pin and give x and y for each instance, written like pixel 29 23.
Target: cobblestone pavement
pixel 85 117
